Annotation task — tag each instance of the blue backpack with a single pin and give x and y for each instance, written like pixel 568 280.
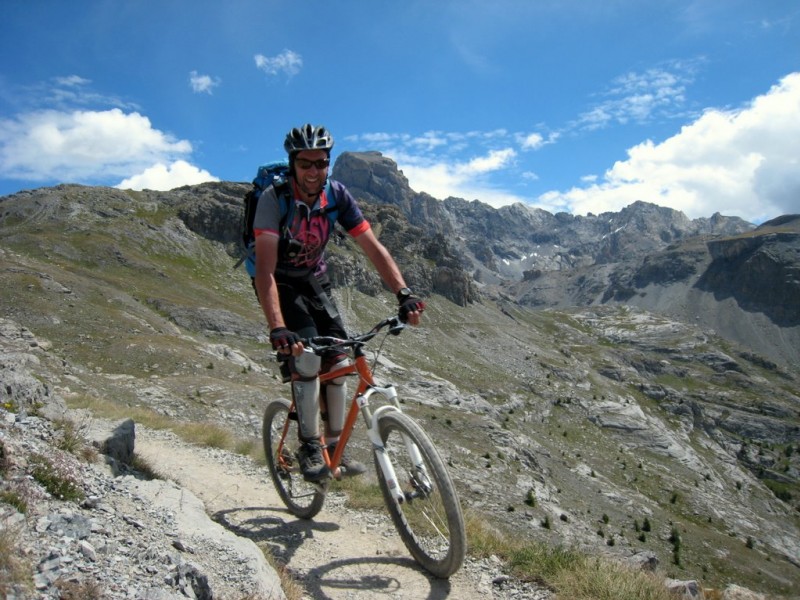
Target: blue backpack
pixel 274 174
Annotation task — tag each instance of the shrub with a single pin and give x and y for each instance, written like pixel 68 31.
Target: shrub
pixel 59 485
pixel 78 590
pixel 5 463
pixel 14 499
pixel 15 573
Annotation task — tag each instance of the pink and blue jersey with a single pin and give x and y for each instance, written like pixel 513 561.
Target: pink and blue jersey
pixel 311 226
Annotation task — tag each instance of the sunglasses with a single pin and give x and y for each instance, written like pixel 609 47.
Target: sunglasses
pixel 304 163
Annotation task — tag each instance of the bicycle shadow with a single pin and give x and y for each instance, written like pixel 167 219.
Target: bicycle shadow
pixel 371 576
pixel 366 576
pixel 283 536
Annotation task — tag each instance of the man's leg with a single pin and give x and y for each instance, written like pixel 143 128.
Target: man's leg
pixel 335 394
pixel 299 317
pixel 305 387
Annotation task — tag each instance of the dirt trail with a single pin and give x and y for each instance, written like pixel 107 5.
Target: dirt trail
pixel 340 554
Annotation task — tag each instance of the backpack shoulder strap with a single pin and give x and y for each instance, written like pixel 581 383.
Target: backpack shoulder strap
pixel 332 210
pixel 283 193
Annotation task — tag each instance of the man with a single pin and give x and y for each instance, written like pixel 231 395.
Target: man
pixel 294 290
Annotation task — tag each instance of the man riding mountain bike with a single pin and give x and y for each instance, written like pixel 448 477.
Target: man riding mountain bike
pixel 295 292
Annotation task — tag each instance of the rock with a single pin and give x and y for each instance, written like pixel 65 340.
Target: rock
pixel 685 590
pixel 120 443
pixel 735 592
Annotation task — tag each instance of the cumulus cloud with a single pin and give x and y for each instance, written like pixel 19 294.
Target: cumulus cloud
pixel 465 180
pixel 203 83
pixel 287 62
pixel 166 177
pixel 83 145
pixel 743 162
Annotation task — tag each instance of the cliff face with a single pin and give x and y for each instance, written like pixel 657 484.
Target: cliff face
pixel 760 271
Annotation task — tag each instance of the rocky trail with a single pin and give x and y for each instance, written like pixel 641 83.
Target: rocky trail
pixel 340 554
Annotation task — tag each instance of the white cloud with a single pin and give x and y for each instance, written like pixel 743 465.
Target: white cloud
pixel 743 162
pixel 287 62
pixel 532 141
pixel 638 97
pixel 82 145
pixel 461 179
pixel 203 83
pixel 72 80
pixel 530 175
pixel 162 177
pixel 63 93
pixel 536 141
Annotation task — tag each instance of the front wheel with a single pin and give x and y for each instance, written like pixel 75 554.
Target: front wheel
pixel 303 499
pixel 429 518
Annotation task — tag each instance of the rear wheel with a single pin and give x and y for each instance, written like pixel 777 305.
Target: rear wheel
pixel 303 499
pixel 429 519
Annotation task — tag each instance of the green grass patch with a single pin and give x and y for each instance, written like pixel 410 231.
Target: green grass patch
pixel 363 493
pixel 570 573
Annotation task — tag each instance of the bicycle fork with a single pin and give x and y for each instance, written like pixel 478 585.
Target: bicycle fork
pixel 421 479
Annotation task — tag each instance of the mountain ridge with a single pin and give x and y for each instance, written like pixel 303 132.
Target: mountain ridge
pixel 558 260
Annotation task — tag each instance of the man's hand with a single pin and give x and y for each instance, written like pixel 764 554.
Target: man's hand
pixel 283 340
pixel 411 308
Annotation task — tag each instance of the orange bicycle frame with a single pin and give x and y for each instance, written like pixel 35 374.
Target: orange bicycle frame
pixel 360 367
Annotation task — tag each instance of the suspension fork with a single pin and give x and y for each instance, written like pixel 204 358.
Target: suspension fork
pixel 371 420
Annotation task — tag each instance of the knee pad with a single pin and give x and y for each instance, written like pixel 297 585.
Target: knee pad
pixel 306 401
pixel 307 365
pixel 335 396
pixel 344 362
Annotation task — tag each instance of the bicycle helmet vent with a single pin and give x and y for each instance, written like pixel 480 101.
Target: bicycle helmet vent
pixel 308 137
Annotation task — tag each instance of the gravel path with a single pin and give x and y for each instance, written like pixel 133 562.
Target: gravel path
pixel 340 554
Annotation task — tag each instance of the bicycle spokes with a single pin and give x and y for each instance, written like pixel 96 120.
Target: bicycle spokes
pixel 426 511
pixel 281 443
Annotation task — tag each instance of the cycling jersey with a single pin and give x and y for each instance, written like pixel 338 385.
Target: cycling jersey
pixel 310 226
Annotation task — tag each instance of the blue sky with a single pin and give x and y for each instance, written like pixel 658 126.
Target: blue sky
pixel 568 105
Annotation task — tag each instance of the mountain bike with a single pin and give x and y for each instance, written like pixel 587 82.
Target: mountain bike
pixel 414 481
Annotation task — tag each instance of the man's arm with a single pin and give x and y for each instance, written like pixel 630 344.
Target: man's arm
pixel 385 265
pixel 266 260
pixel 267 287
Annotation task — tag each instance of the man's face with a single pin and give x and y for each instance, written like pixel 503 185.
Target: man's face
pixel 310 177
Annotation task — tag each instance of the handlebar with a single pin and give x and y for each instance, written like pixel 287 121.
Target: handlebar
pixel 321 343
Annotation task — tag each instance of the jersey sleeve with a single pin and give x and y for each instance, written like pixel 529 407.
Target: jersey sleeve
pixel 268 214
pixel 349 215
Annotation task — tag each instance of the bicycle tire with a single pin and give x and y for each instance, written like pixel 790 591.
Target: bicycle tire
pixel 431 525
pixel 303 499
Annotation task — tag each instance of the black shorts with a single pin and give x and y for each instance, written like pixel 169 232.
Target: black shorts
pixel 305 314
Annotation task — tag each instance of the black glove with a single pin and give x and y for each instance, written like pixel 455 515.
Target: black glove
pixel 282 338
pixel 408 303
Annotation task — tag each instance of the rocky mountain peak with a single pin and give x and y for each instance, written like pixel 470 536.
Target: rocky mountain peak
pixel 650 255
